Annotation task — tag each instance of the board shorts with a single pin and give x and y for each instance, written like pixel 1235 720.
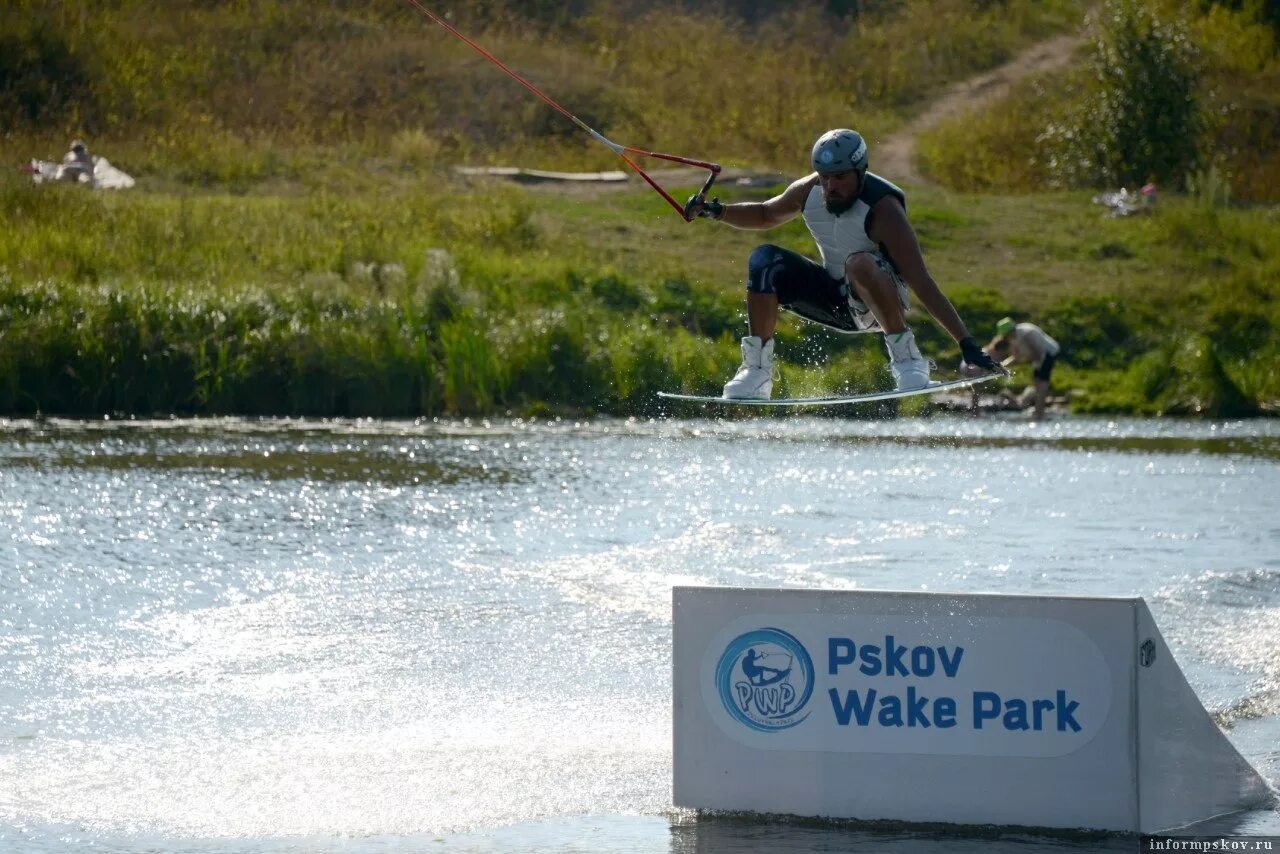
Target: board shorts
pixel 804 287
pixel 1046 367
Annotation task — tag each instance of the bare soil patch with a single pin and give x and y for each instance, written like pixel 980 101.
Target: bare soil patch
pixel 895 157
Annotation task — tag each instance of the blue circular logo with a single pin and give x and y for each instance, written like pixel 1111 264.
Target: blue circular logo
pixel 765 679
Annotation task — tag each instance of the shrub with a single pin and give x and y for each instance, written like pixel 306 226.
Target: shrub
pixel 1095 329
pixel 44 72
pixel 1140 117
pixel 1187 377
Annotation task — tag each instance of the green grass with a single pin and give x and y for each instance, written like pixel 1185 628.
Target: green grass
pixel 149 302
pixel 298 242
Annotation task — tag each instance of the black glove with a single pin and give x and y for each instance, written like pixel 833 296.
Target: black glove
pixel 974 355
pixel 701 207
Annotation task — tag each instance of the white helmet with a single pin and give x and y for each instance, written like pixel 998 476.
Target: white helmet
pixel 839 151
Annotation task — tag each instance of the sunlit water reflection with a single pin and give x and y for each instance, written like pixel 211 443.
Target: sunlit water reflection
pixel 366 636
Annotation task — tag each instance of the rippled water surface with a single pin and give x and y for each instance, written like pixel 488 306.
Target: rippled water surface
pixel 227 636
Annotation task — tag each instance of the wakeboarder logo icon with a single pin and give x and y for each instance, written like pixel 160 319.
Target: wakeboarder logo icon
pixel 765 679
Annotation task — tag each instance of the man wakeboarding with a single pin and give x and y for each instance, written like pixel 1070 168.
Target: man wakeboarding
pixel 870 255
pixel 760 673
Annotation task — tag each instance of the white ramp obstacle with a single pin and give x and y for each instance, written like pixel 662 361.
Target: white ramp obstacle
pixel 1040 711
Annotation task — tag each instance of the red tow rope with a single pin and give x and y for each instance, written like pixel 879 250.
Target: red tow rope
pixel 620 150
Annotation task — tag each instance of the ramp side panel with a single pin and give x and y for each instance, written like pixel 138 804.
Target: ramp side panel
pixel 1092 786
pixel 1188 770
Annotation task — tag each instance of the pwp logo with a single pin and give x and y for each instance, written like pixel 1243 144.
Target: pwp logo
pixel 765 679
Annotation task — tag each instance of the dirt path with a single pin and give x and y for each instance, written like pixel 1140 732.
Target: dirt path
pixel 895 157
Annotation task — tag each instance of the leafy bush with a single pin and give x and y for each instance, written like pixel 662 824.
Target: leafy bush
pixel 1182 377
pixel 45 71
pixel 1097 330
pixel 1140 117
pixel 1158 99
pixel 699 309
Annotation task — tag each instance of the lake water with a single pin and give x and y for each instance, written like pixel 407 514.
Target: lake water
pixel 291 636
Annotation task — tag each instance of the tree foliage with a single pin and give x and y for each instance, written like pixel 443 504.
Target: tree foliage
pixel 44 68
pixel 1139 118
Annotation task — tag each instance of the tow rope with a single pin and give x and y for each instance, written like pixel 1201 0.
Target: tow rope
pixel 621 150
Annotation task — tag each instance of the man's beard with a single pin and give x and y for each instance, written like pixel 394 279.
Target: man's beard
pixel 837 208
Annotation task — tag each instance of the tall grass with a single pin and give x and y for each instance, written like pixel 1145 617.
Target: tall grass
pixel 141 350
pixel 460 301
pixel 297 243
pixel 233 92
pixel 63 232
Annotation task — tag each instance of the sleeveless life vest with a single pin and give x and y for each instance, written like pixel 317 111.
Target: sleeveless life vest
pixel 838 237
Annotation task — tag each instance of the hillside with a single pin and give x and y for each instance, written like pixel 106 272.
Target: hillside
pixel 299 243
pixel 249 90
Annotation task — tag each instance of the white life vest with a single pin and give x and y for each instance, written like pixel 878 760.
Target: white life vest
pixel 838 237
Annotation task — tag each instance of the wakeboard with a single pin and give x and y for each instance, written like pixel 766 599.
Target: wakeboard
pixel 932 388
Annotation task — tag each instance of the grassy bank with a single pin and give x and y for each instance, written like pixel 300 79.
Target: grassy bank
pixel 473 298
pixel 299 243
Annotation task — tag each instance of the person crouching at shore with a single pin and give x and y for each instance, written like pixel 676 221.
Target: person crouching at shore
pixel 1027 343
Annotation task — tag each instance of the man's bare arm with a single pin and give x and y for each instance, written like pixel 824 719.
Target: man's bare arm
pixel 891 228
pixel 781 208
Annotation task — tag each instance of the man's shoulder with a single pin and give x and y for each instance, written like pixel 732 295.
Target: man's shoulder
pixel 804 185
pixel 800 190
pixel 875 188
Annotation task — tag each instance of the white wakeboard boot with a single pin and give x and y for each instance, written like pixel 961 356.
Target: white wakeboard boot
pixel 910 369
pixel 754 379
